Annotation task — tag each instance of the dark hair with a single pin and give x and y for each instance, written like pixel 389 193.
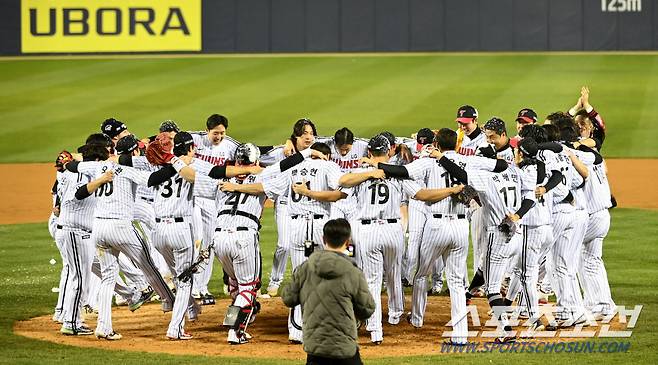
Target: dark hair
pixel 446 139
pixel 552 132
pixel 298 128
pixel 215 120
pixel 343 136
pixel 93 152
pixel 554 118
pixel 567 127
pixel 535 132
pixel 322 147
pixel 183 143
pixel 336 232
pixel 390 136
pixel 99 139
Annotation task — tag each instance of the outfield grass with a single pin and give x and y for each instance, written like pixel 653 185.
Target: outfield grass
pixel 47 105
pixel 630 253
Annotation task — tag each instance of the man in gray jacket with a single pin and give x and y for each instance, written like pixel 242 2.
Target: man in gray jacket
pixel 333 294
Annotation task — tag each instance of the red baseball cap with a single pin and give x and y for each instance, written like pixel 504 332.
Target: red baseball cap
pixel 466 114
pixel 526 116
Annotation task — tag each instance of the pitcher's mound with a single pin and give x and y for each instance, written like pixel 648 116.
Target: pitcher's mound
pixel 144 330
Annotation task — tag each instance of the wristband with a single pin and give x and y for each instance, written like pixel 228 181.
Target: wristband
pixel 177 163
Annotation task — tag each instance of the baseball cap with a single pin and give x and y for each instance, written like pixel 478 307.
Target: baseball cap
pixel 169 126
pixel 182 141
pixel 526 115
pixel 247 154
pixel 466 114
pixel 528 147
pixel 425 136
pixel 127 144
pixel 113 127
pixel 495 124
pixel 379 143
pixel 389 136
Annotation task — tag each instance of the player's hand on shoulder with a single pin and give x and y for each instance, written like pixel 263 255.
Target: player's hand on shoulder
pixel 377 174
pixel 288 148
pixel 513 217
pixel 366 161
pixel 457 189
pixel 256 169
pixel 540 191
pixel 434 152
pixel 113 158
pixel 319 155
pixel 226 186
pixel 107 176
pixel 301 188
pixel 77 156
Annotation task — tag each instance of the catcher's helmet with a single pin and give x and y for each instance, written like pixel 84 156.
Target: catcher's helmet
pixel 182 143
pixel 127 144
pixel 247 154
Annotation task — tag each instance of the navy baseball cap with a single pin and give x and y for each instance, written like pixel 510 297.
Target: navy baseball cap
pixel 425 136
pixel 528 147
pixel 379 143
pixel 389 136
pixel 112 127
pixel 466 114
pixel 495 124
pixel 526 115
pixel 127 144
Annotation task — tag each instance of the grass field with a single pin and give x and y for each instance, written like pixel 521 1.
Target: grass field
pixel 46 105
pixel 28 278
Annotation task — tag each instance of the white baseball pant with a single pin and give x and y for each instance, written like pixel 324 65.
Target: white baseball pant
pixel 593 275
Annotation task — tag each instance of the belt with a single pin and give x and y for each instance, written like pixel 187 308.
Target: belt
pixel 315 216
pixel 59 226
pixel 240 213
pixel 169 219
pixel 146 199
pixel 369 221
pixel 232 229
pixel 450 216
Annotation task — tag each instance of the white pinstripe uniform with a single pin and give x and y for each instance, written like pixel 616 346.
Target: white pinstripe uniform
pixel 282 219
pixel 74 235
pixel 468 147
pixel 344 208
pixel 567 223
pixel 593 275
pixel 500 194
pixel 507 154
pixel 445 236
pixel 173 237
pixel 218 155
pixel 64 272
pixel 306 216
pixel 379 243
pixel 113 232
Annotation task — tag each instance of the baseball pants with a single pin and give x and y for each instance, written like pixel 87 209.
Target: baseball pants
pixel 208 223
pixel 79 255
pixel 282 251
pixel 133 275
pixel 145 223
pixel 416 225
pixel 239 253
pixel 446 238
pixel 113 236
pixel 120 288
pixel 303 229
pixel 63 278
pixel 593 275
pixel 526 267
pixel 379 247
pixel 175 242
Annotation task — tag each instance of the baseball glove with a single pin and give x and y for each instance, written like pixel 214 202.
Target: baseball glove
pixel 62 159
pixel 508 227
pixel 158 152
pixel 466 195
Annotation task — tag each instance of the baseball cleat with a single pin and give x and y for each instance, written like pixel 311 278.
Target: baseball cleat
pixel 146 295
pixel 409 321
pixel 182 337
pixel 508 338
pixel 436 290
pixel 167 306
pixel 393 320
pixel 110 337
pixel 453 343
pixel 196 294
pixel 237 339
pixel 406 283
pixel 207 299
pixel 120 301
pixel 377 343
pixel 79 331
pixel 272 291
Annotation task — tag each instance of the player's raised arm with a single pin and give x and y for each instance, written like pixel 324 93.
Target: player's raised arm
pixel 86 190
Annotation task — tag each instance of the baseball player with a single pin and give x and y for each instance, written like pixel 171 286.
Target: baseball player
pixel 236 236
pixel 113 232
pixel 303 136
pixel 590 123
pixel 503 206
pixel 445 234
pixel 74 236
pixel 310 187
pixel 378 233
pixel 115 129
pixel 60 161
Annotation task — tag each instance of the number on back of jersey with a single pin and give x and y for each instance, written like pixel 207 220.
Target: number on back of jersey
pixel 379 193
pixel 172 186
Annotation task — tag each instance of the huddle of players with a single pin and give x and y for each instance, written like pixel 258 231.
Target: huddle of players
pixel 543 186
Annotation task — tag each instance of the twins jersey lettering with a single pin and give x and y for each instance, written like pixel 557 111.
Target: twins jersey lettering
pixel 217 155
pixel 471 142
pixel 351 160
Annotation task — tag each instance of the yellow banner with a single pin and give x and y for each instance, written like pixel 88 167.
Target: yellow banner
pixel 71 26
